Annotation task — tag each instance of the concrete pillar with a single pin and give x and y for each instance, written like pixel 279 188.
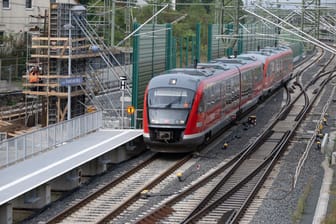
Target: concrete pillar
pixel 94 167
pixel 118 155
pixel 68 181
pixel 127 150
pixel 6 213
pixel 34 199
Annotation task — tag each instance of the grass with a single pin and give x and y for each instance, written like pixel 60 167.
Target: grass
pixel 331 216
pixel 297 215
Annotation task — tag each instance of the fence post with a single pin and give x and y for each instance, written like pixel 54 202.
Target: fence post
pixel 210 42
pixel 198 42
pixel 135 72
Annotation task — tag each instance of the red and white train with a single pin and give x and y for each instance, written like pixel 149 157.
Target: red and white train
pixel 184 108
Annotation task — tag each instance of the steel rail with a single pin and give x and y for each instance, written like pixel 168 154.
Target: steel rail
pixel 59 217
pixel 167 209
pixel 149 186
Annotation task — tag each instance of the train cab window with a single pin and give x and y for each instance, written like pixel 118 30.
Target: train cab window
pixel 170 98
pixel 169 106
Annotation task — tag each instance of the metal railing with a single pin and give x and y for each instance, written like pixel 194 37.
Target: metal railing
pixel 27 145
pixel 126 121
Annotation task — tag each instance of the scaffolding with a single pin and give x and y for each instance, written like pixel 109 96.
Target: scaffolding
pixel 74 66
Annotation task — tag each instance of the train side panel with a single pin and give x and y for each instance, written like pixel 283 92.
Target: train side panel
pixel 277 69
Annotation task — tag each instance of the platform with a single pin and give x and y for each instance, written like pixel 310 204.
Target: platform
pixel 18 179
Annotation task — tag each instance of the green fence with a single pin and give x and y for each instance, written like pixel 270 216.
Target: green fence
pixel 222 40
pixel 151 55
pixel 154 51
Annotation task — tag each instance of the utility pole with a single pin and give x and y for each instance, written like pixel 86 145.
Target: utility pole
pixel 69 67
pixel 113 22
pixel 302 15
pixel 317 18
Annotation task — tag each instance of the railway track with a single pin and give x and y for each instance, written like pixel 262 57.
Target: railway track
pixel 227 201
pixel 231 185
pixel 114 198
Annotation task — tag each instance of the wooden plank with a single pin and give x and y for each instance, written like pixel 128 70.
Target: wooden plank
pixel 53 93
pixel 36 38
pixel 46 76
pixel 74 56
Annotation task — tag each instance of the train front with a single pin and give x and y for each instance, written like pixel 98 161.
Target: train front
pixel 167 105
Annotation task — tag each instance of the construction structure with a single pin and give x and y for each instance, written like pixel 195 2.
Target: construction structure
pixel 69 66
pixel 57 58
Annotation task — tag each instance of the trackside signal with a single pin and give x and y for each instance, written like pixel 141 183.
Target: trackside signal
pixel 130 110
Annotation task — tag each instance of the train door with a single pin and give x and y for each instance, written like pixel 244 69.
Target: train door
pixel 212 100
pixel 269 74
pixel 257 81
pixel 223 97
pixel 246 86
pixel 232 94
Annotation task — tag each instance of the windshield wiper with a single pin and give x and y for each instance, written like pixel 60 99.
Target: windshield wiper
pixel 174 101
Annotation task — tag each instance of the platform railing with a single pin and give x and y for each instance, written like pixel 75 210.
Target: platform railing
pixel 128 120
pixel 21 147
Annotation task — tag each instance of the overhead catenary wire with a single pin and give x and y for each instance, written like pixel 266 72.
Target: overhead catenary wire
pixel 305 36
pixel 136 30
pixel 310 38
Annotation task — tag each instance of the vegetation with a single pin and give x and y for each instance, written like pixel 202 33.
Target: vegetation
pixel 302 203
pixel 331 216
pixel 184 17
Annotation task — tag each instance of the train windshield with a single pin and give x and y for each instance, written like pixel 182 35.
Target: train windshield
pixel 169 105
pixel 170 98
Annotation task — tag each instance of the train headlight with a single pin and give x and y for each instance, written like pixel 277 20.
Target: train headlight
pixel 154 121
pixel 172 81
pixel 180 121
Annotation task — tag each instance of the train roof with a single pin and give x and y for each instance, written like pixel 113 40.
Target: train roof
pixel 263 53
pixel 177 79
pixel 190 77
pixel 213 65
pixel 192 71
pixel 237 62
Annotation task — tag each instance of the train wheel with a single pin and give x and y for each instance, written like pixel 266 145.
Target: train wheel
pixel 261 99
pixel 207 138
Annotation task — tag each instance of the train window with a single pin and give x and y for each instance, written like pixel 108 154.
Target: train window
pixel 270 69
pixel 278 70
pixel 170 98
pixel 247 82
pixel 213 92
pixel 257 75
pixel 201 107
pixel 236 89
pixel 228 92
